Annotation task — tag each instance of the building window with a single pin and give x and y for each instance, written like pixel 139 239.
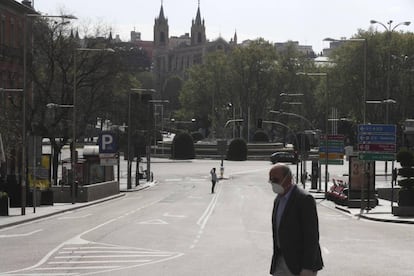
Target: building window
pixel 199 38
pixel 162 37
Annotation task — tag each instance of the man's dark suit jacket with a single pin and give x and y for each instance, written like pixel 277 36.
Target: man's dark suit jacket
pixel 298 233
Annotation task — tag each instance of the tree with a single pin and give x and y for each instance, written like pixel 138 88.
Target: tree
pixel 171 92
pixel 388 65
pixel 207 90
pixel 103 81
pixel 250 77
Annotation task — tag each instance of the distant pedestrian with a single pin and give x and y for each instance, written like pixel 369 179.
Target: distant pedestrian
pixel 296 249
pixel 213 179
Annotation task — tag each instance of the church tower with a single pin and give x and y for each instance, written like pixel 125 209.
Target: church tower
pixel 198 30
pixel 161 35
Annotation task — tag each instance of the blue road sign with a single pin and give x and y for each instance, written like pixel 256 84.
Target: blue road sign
pixel 376 139
pixel 378 128
pixel 107 142
pixel 331 149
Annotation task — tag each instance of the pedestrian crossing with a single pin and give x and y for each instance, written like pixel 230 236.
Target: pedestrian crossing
pixel 90 258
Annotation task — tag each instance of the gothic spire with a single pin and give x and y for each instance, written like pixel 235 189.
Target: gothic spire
pixel 198 16
pixel 161 16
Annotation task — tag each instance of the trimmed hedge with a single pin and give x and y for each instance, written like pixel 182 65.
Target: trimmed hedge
pixel 182 146
pixel 237 150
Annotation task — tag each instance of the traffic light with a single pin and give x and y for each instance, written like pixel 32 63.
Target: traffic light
pixel 259 123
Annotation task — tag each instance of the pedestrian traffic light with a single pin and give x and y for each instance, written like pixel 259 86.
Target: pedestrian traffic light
pixel 259 123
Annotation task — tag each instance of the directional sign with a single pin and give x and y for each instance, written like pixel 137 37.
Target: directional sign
pixel 331 149
pixel 331 155
pixel 107 142
pixel 376 138
pixel 377 147
pixel 377 156
pixel 377 128
pixel 377 142
pixel 337 137
pixel 332 161
pixel 331 143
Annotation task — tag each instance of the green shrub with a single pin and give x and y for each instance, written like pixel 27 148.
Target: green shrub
pixel 182 146
pixel 237 150
pixel 197 136
pixel 260 136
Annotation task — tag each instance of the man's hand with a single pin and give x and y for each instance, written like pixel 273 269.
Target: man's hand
pixel 307 272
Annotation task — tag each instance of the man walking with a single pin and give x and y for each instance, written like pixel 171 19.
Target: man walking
pixel 296 249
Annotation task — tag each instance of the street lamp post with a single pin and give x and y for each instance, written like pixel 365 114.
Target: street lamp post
pixel 389 31
pixel 294 135
pixel 75 84
pixel 364 40
pixel 294 115
pixel 161 104
pixel 138 91
pixel 301 146
pixel 327 119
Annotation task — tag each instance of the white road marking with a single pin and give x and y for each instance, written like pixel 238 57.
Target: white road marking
pixel 173 180
pixel 77 268
pixel 43 266
pixel 258 232
pixel 249 171
pixel 325 250
pixel 196 180
pixel 153 221
pixel 206 215
pixel 100 262
pixel 195 197
pixel 76 217
pixel 202 221
pixel 111 256
pixel 20 235
pixel 174 216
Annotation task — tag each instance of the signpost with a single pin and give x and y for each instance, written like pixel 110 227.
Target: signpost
pixel 222 148
pixel 331 149
pixel 108 148
pixel 377 142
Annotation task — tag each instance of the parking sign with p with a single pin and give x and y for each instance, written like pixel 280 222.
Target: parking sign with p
pixel 107 142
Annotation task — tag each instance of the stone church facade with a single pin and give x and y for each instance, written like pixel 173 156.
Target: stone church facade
pixel 172 56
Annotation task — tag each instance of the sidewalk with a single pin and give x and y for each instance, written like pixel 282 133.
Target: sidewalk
pixel 382 212
pixel 45 211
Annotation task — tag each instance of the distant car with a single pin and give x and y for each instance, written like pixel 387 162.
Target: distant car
pixel 284 157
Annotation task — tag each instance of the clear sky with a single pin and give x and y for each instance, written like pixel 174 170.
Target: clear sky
pixel 306 21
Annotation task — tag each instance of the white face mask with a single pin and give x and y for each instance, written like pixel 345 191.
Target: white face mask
pixel 277 187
